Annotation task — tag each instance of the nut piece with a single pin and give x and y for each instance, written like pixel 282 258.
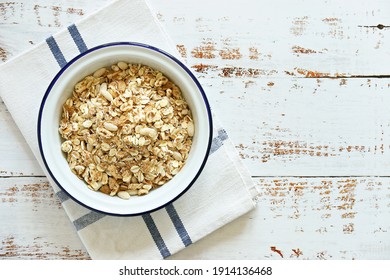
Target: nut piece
pixel 126 130
pixel 98 73
pixel 110 126
pixel 152 133
pixel 107 95
pixel 122 65
pixel 123 195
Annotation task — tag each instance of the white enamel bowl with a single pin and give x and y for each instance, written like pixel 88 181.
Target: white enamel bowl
pixel 61 88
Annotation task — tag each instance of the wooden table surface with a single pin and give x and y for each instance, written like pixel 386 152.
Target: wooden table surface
pixel 303 89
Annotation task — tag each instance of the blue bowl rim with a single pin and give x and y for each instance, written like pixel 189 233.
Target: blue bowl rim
pixel 141 45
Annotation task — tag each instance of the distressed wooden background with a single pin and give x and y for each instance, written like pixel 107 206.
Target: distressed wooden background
pixel 303 89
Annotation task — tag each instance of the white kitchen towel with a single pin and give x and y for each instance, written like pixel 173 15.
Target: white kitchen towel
pixel 222 193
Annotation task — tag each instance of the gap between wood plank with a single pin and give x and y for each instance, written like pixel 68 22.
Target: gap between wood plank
pixel 22 176
pixel 322 176
pixel 348 77
pixel 253 177
pixel 379 26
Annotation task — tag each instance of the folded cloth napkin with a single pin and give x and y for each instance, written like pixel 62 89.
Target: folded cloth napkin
pixel 222 193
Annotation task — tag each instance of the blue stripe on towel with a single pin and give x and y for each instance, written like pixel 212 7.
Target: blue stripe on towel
pixel 79 41
pixel 55 50
pixel 222 134
pixel 181 230
pixel 156 235
pixel 217 141
pixel 62 195
pixel 87 219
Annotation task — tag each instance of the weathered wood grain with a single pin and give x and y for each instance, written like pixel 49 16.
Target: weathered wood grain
pixel 33 223
pixel 16 156
pixel 324 127
pixel 308 218
pixel 304 218
pixel 303 39
pixel 267 39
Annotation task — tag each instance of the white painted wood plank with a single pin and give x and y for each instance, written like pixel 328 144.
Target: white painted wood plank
pixel 33 224
pixel 307 218
pixel 313 127
pixel 281 38
pixel 277 38
pixel 323 218
pixel 16 156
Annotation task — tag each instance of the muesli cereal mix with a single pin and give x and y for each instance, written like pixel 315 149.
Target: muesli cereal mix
pixel 127 130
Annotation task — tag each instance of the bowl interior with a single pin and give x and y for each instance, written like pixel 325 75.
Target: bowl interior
pixel 61 89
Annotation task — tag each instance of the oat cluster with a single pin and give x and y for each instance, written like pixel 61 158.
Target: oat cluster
pixel 127 130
